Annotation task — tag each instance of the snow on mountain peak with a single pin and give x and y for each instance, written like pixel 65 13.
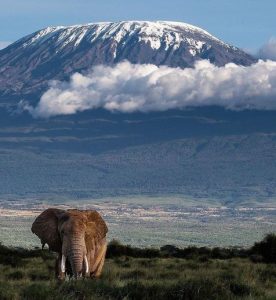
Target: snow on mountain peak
pixel 156 34
pixel 55 53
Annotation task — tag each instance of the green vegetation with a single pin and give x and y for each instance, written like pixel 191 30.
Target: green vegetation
pixel 132 273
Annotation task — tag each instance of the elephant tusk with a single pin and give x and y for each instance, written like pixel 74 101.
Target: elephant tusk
pixel 62 265
pixel 86 264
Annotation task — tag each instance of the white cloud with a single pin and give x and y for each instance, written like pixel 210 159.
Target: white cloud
pixel 4 44
pixel 127 88
pixel 268 51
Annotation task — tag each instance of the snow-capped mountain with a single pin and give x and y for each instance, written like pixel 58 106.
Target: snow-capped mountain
pixel 56 52
pixel 202 153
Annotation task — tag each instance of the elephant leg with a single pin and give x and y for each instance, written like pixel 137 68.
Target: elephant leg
pixel 98 265
pixel 57 266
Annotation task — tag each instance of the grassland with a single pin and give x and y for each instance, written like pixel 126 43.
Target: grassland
pixel 138 278
pixel 238 274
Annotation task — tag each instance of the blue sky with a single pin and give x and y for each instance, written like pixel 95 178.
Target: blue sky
pixel 245 23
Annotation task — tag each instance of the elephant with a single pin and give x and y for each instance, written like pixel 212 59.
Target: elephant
pixel 79 238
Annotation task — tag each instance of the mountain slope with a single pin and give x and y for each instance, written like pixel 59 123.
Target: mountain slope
pixel 56 52
pixel 201 153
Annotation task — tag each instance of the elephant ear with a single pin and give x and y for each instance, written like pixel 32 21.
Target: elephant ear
pixel 45 227
pixel 96 229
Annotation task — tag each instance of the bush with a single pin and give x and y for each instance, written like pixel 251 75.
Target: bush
pixel 256 258
pixel 16 275
pixel 14 256
pixel 264 251
pixel 39 275
pixel 240 289
pixel 266 248
pixel 221 253
pixel 116 249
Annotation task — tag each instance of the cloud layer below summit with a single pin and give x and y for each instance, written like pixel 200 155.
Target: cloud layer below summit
pixel 268 50
pixel 128 88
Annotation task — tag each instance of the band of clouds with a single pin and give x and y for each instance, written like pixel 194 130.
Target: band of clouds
pixel 127 88
pixel 268 50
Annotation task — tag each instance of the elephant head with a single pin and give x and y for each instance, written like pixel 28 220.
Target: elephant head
pixel 78 236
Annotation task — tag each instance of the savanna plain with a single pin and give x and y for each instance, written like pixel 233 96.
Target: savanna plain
pixel 147 273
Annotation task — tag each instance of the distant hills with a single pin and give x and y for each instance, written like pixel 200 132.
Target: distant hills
pixel 202 153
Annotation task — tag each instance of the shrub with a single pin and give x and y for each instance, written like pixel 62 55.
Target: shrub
pixel 116 249
pixel 16 275
pixel 264 251
pixel 12 260
pixel 256 258
pixel 39 275
pixel 203 258
pixel 240 289
pixel 266 248
pixel 221 253
pixel 14 256
pixel 169 251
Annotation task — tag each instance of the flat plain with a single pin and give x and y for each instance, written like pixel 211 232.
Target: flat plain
pixel 151 221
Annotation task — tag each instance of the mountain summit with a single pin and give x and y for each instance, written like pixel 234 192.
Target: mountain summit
pixel 56 52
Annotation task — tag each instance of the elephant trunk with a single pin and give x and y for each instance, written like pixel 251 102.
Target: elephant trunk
pixel 77 258
pixel 76 262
